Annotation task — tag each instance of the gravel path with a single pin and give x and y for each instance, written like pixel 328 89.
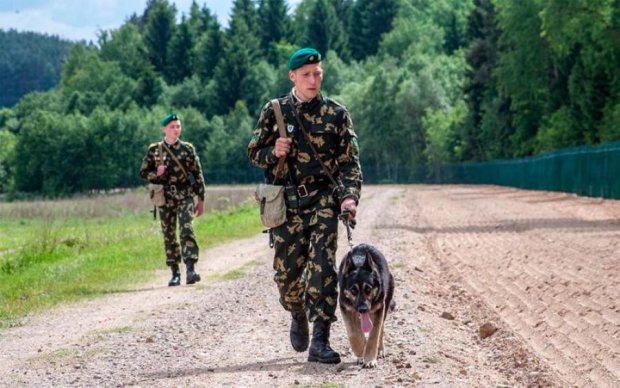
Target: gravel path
pixel 494 287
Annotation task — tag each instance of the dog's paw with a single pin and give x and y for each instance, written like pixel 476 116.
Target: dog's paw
pixel 370 364
pixel 360 360
pixel 382 353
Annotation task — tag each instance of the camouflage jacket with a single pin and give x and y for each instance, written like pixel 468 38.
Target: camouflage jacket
pixel 331 132
pixel 174 176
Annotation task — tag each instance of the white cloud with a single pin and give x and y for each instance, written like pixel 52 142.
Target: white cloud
pixel 83 19
pixel 38 20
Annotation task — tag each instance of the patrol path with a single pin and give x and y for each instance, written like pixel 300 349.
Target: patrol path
pixel 541 268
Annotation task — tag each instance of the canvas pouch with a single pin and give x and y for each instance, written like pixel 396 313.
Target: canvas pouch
pixel 156 194
pixel 272 204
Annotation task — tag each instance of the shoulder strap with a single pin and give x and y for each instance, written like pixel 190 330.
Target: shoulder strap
pixel 174 158
pixel 314 151
pixel 160 154
pixel 280 121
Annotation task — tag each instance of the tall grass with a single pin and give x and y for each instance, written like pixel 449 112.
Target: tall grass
pixel 56 251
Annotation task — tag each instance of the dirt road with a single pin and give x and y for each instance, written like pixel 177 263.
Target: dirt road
pixel 541 268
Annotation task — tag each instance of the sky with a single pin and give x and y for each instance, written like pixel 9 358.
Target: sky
pixel 82 19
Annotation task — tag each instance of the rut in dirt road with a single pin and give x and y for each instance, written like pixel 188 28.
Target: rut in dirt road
pixel 538 267
pixel 548 263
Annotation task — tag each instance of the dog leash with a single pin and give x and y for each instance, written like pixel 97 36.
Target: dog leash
pixel 349 224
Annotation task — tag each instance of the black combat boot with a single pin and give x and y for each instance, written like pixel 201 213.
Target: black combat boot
pixel 192 276
pixel 320 351
pixel 176 276
pixel 299 330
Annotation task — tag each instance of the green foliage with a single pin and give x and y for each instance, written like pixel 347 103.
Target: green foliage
pixel 224 151
pixel 274 25
pixel 159 30
pixel 29 62
pixel 8 140
pixel 369 20
pixel 426 82
pixel 180 61
pixel 324 31
pixel 63 259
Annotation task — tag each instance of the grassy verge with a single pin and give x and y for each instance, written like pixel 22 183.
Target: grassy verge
pixel 49 260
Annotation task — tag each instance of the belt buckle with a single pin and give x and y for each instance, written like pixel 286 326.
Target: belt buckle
pixel 302 191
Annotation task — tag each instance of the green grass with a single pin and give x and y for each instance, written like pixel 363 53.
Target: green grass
pixel 52 259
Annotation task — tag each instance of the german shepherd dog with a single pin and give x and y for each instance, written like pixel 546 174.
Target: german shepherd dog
pixel 366 289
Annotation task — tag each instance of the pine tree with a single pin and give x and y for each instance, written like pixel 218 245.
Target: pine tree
pixel 180 57
pixel 481 87
pixel 208 47
pixel 370 19
pixel 159 30
pixel 324 31
pixel 240 51
pixel 275 25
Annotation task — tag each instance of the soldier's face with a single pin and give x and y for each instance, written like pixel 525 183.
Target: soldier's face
pixel 307 80
pixel 172 131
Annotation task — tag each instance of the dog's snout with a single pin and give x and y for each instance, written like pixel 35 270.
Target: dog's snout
pixel 362 308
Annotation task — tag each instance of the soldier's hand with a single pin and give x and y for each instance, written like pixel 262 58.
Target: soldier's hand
pixel 348 206
pixel 199 209
pixel 161 170
pixel 283 147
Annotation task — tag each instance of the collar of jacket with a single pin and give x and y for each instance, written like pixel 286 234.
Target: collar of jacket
pixel 305 106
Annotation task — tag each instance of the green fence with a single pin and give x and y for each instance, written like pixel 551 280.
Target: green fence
pixel 589 170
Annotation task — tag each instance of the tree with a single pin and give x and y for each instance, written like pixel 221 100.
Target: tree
pixel 370 19
pixel 208 47
pixel 324 31
pixel 29 62
pixel 159 30
pixel 125 46
pixel 181 56
pixel 522 72
pixel 480 89
pixel 240 51
pixel 275 26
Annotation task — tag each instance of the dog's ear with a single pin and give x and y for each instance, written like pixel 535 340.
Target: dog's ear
pixel 370 263
pixel 347 262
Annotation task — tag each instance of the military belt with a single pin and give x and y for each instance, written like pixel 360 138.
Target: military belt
pixel 176 188
pixel 305 189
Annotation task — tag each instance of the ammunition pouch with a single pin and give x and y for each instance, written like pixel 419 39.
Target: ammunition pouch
pixel 157 195
pixel 272 204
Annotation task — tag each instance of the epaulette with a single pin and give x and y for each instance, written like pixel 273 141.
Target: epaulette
pixel 187 144
pixel 334 102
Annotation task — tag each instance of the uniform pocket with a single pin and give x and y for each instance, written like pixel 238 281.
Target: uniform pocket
pixel 324 139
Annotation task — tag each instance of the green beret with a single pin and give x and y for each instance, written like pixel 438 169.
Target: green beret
pixel 302 57
pixel 168 118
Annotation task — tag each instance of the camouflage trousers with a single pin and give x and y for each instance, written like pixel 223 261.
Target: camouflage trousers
pixel 181 210
pixel 305 263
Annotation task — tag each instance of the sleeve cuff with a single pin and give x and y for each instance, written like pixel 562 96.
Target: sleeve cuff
pixel 350 195
pixel 270 158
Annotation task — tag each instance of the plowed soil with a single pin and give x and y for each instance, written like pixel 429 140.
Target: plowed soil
pixel 494 287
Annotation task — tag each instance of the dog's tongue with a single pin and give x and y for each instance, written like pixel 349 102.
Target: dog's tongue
pixel 366 322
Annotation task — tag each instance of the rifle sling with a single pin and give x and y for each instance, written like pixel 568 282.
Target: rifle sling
pixel 174 158
pixel 316 154
pixel 280 121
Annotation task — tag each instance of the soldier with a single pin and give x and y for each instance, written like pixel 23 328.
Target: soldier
pixel 305 245
pixel 174 164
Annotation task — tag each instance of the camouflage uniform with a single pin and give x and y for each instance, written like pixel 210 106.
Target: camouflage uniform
pixel 179 197
pixel 305 245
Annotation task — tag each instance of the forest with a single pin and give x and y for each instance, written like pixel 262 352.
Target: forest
pixel 29 62
pixel 427 83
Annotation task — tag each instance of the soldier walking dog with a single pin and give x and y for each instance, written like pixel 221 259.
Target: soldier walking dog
pixel 321 153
